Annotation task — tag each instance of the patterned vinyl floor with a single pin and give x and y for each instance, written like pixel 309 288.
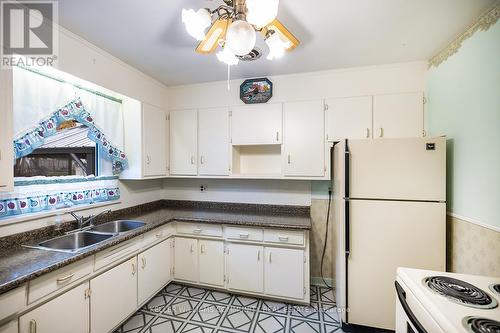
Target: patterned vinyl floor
pixel 179 308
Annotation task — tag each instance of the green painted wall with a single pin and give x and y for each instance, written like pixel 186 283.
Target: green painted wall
pixel 464 104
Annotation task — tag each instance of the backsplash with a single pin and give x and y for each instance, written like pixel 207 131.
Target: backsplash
pixel 472 249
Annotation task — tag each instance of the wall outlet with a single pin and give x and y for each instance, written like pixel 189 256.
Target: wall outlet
pixel 203 188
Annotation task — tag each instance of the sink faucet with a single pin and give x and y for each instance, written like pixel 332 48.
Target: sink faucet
pixel 82 221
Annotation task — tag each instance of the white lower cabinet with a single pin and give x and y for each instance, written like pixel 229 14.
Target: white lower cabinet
pixel 245 267
pixel 211 262
pixel 284 272
pixel 66 313
pixel 186 259
pixel 154 270
pixel 113 298
pixel 10 327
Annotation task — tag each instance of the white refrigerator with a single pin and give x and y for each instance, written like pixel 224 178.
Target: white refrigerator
pixel 389 198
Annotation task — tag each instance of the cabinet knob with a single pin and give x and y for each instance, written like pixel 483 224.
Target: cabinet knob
pixel 380 132
pixel 277 136
pixel 133 268
pixel 367 132
pixel 192 248
pixel 288 159
pixel 148 159
pixel 143 260
pixel 202 159
pixel 192 160
pixel 202 248
pixel 258 255
pixel 270 257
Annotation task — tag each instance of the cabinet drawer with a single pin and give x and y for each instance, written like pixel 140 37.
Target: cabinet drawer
pixel 12 301
pixel 114 254
pixel 54 281
pixel 158 234
pixel 284 236
pixel 248 234
pixel 202 229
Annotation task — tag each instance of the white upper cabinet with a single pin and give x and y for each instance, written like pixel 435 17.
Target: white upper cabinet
pixel 349 118
pixel 256 124
pixel 146 140
pixel 183 142
pixel 303 139
pixel 398 115
pixel 155 140
pixel 213 142
pixel 6 136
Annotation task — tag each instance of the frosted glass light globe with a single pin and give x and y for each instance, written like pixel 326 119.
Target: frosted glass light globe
pixel 240 37
pixel 196 22
pixel 262 12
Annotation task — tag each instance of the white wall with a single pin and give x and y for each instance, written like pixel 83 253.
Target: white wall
pixel 276 192
pixel 395 78
pixel 360 81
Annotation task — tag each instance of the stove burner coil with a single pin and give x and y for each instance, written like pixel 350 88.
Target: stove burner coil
pixel 481 325
pixel 495 288
pixel 460 292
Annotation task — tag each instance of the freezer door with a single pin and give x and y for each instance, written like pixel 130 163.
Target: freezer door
pixel 385 235
pixel 404 169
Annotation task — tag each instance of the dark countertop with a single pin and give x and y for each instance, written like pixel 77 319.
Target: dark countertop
pixel 19 264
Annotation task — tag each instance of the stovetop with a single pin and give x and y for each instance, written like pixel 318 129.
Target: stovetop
pixel 456 302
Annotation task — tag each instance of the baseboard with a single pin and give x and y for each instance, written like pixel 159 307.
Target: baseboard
pixel 318 281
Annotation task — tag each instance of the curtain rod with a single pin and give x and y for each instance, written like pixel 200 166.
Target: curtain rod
pixel 92 91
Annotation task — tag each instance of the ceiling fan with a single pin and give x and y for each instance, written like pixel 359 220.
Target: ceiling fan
pixel 233 26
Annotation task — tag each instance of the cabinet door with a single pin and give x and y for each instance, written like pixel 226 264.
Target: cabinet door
pixel 256 124
pixel 398 115
pixel 154 270
pixel 245 267
pixel 6 136
pixel 154 131
pixel 349 118
pixel 114 296
pixel 278 280
pixel 10 327
pixel 186 259
pixel 213 142
pixel 211 262
pixel 66 313
pixel 183 142
pixel 303 139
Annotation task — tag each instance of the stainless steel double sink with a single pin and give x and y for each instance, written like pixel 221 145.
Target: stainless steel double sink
pixel 83 239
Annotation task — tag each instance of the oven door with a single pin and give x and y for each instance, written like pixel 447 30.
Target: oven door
pixel 411 317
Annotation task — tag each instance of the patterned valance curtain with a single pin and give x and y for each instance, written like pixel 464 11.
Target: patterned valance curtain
pixel 41 104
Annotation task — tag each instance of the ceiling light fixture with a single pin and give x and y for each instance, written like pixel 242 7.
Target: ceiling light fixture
pixel 234 26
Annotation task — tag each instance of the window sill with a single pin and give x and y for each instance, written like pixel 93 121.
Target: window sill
pixel 40 215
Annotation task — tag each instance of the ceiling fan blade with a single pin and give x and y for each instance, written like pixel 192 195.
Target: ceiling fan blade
pixel 277 26
pixel 216 32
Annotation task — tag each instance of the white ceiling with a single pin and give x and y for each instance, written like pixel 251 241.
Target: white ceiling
pixel 149 35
